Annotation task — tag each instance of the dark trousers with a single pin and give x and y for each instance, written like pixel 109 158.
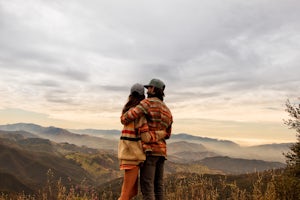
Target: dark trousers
pixel 151 178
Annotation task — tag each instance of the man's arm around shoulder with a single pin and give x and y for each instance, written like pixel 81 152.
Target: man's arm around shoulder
pixel 134 113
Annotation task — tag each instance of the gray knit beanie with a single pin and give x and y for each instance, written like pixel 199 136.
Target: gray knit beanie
pixel 139 88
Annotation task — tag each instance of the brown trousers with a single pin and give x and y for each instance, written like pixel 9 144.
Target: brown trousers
pixel 130 183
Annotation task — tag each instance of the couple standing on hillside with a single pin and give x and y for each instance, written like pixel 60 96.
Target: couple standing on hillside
pixel 142 147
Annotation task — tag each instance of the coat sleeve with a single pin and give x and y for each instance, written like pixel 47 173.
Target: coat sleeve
pixel 133 114
pixel 168 132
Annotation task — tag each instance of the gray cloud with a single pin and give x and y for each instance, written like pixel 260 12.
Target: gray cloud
pixel 46 83
pixel 70 52
pixel 60 96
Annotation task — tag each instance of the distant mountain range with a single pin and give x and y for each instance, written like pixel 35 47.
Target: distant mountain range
pixel 28 151
pixel 25 162
pixel 62 135
pixel 200 146
pixel 237 165
pixel 209 146
pixel 267 152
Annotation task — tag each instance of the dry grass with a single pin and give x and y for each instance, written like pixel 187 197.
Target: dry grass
pixel 266 186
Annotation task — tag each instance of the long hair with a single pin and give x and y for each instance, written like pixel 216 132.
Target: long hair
pixel 159 93
pixel 133 100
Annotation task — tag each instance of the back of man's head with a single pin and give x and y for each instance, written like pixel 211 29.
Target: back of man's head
pixel 159 88
pixel 157 83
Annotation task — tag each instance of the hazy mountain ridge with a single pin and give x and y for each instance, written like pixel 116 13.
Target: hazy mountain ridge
pixel 62 135
pixel 267 152
pixel 186 152
pixel 237 165
pixel 25 162
pixel 187 137
pixel 108 134
pixel 108 139
pixel 176 147
pixel 26 159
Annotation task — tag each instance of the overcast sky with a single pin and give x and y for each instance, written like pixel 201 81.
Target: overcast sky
pixel 229 66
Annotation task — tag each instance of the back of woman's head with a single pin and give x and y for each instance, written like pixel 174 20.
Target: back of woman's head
pixel 137 88
pixel 136 95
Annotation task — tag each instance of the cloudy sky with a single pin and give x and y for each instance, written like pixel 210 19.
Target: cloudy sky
pixel 229 66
